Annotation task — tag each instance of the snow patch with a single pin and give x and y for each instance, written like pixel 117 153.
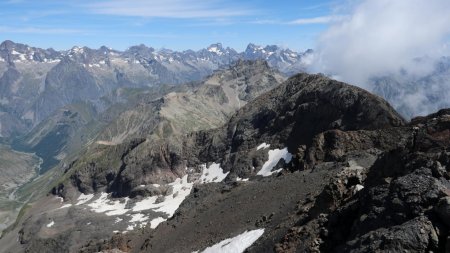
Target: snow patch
pixel 77 50
pixel 275 155
pixel 237 244
pixel 215 50
pixel 181 189
pixel 212 174
pixel 50 224
pixel 138 217
pixel 22 57
pixel 242 179
pixel 65 206
pixel 109 207
pixel 263 146
pixel 155 222
pixel 357 188
pixel 84 198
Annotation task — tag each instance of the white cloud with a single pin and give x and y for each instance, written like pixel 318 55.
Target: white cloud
pixel 168 8
pixel 384 38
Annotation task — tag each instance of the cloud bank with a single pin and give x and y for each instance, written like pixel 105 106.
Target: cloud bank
pixel 399 39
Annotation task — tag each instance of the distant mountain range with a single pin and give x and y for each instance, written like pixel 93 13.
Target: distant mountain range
pixel 35 82
pixel 205 59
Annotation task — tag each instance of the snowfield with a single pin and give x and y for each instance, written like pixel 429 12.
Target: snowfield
pixel 138 212
pixel 109 207
pixel 236 244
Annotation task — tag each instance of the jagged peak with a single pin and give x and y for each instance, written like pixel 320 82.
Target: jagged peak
pixel 216 45
pixel 272 48
pixel 77 49
pixel 10 45
pixel 252 47
pixel 140 49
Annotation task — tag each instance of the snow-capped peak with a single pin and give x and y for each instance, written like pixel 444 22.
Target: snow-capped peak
pixel 77 50
pixel 216 48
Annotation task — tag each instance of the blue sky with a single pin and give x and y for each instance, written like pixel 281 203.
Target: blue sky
pixel 174 24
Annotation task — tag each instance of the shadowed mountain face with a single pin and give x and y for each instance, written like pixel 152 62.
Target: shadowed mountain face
pixel 35 82
pixel 312 165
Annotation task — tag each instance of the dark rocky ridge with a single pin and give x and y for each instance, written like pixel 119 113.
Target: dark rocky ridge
pixel 292 115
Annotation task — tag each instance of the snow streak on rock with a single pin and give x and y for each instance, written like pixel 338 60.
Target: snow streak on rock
pixel 236 244
pixel 155 222
pixel 212 174
pixel 275 155
pixel 84 198
pixel 51 224
pixel 263 146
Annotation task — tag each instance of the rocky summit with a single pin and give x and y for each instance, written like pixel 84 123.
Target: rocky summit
pixel 308 164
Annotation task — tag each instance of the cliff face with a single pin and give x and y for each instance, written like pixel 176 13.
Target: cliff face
pixel 316 164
